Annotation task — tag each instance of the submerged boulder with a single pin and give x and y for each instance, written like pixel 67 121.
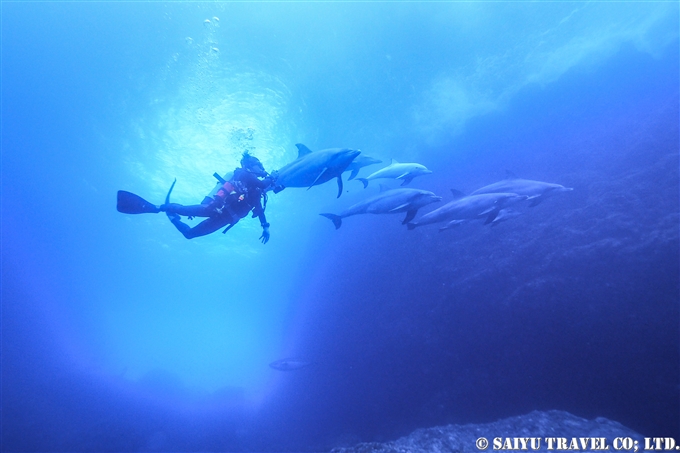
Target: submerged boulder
pixel 549 430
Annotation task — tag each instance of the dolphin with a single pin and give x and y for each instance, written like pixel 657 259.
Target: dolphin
pixel 388 202
pixel 359 163
pixel 502 216
pixel 469 207
pixel 536 191
pixel 314 168
pixel 395 170
pixel 289 364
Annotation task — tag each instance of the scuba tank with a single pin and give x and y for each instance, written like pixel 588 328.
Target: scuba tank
pixel 218 185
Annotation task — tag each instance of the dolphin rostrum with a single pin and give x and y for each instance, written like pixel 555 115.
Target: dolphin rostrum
pixel 289 364
pixel 314 168
pixel 359 163
pixel 469 207
pixel 396 170
pixel 536 191
pixel 388 202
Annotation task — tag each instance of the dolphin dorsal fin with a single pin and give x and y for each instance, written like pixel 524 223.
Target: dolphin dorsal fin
pixel 457 194
pixel 302 150
pixel 510 175
pixel 384 188
pixel 394 162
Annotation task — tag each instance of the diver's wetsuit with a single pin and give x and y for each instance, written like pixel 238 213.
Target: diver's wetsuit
pixel 232 202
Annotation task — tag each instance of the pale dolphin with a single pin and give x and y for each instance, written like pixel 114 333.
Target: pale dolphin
pixel 289 364
pixel 469 207
pixel 536 191
pixel 396 170
pixel 359 163
pixel 314 168
pixel 502 216
pixel 388 202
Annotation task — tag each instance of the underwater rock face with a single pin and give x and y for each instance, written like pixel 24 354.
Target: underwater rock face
pixel 540 425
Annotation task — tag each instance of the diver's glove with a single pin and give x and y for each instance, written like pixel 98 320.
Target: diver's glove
pixel 265 233
pixel 217 204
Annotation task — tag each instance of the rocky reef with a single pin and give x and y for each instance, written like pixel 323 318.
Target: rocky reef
pixel 550 429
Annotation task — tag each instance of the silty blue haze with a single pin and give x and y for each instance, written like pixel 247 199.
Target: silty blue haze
pixel 120 335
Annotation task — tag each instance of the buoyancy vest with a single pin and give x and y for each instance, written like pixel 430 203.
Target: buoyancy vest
pixel 234 196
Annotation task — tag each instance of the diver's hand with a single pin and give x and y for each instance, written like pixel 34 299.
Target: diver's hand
pixel 265 235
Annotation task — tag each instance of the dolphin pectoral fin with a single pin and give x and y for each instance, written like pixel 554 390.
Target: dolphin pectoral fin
pixel 364 181
pixel 407 180
pixel 410 214
pixel 491 216
pixel 336 219
pixel 398 208
pixel 535 201
pixel 317 178
pixel 339 186
pixel 411 226
pixel 451 224
pixel 302 150
pixel 353 174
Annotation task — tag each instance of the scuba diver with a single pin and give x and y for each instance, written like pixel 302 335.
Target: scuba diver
pixel 242 193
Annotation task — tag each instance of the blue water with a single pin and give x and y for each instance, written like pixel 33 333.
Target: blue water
pixel 120 335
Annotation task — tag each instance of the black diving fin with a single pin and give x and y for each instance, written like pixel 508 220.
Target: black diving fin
pixel 167 197
pixel 130 203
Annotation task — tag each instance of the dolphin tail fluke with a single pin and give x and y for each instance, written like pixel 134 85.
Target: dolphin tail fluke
pixel 353 175
pixel 336 219
pixel 364 181
pixel 339 186
pixel 410 214
pixel 130 203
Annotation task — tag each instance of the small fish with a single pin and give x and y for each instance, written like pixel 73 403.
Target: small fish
pixel 289 364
